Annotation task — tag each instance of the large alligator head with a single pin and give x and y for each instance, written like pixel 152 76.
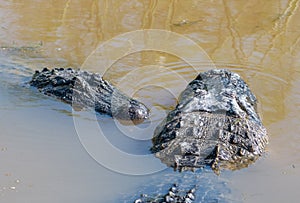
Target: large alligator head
pixel 215 123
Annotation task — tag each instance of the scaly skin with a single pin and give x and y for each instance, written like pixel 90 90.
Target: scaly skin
pixel 173 195
pixel 215 123
pixel 85 89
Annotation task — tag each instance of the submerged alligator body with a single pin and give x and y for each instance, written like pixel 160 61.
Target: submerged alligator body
pixel 214 124
pixel 174 195
pixel 85 89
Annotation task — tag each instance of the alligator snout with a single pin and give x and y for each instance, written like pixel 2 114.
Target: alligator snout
pixel 138 112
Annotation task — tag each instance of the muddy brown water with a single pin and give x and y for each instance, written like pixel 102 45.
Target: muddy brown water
pixel 42 157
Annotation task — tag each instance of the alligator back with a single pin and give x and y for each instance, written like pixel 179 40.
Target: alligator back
pixel 85 89
pixel 215 123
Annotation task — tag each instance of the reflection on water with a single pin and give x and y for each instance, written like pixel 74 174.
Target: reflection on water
pixel 257 39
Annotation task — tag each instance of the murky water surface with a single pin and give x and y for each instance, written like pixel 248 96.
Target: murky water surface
pixel 48 151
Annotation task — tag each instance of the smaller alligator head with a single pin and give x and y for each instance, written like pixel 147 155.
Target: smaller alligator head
pixel 85 89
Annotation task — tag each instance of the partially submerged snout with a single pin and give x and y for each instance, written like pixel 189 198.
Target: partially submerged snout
pixel 132 110
pixel 138 111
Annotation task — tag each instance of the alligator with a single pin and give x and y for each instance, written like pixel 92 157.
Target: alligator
pixel 174 194
pixel 83 89
pixel 214 124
